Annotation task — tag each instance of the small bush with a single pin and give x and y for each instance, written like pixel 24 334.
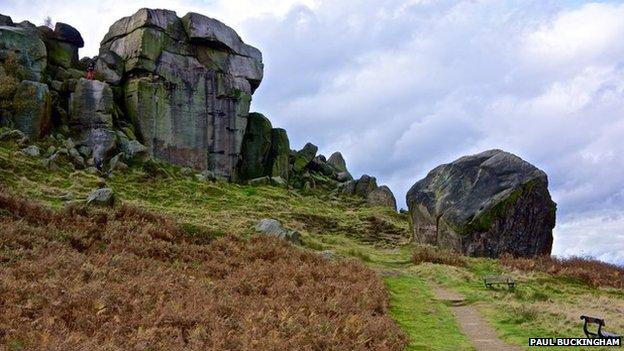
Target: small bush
pixel 426 253
pixel 587 270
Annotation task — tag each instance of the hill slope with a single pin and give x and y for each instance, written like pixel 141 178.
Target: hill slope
pixel 178 266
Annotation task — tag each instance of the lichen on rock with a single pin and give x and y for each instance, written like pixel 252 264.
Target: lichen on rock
pixel 484 205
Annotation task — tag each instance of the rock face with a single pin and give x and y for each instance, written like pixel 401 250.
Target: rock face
pixel 32 108
pixel 91 117
pixel 186 85
pixel 484 205
pixel 22 53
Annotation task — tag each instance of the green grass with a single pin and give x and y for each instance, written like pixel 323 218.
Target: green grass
pixel 429 323
pixel 541 305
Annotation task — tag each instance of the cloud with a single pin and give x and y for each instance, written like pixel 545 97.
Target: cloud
pixel 400 86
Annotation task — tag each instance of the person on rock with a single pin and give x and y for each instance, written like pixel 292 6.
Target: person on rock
pixel 90 71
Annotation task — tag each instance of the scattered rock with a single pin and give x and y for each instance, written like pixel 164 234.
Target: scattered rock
pixel 272 227
pixel 13 135
pixel 91 170
pixel 32 151
pixel 206 176
pixel 101 197
pixel 260 181
pixel 278 181
pixel 327 254
pixel 484 205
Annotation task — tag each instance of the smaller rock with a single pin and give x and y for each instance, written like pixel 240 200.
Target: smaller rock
pixel 186 171
pixel 365 185
pixel 206 175
pixel 32 151
pixel 102 197
pixel 85 151
pixel 319 164
pixel 13 135
pixel 91 170
pixel 344 177
pixel 278 181
pixel 382 196
pixel 327 254
pixel 348 188
pixel 304 156
pixel 337 162
pixel 260 181
pixel 51 150
pixel 76 158
pixel 133 151
pixel 114 161
pixel 66 197
pixel 272 227
pixel 69 144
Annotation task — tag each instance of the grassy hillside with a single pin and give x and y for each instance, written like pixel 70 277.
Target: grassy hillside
pixel 205 218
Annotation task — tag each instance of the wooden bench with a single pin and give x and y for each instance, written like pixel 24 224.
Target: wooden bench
pixel 498 279
pixel 600 334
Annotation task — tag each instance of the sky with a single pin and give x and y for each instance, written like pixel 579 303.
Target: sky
pixel 401 86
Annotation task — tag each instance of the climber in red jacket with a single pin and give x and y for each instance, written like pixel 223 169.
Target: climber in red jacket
pixel 90 71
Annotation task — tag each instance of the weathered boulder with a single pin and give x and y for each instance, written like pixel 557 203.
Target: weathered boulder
pixel 382 196
pixel 365 185
pixel 187 86
pixel 272 227
pixel 304 156
pixel 133 151
pixel 337 162
pixel 256 147
pixel 62 44
pixel 32 151
pixel 32 109
pixel 279 155
pixel 101 197
pixel 90 117
pixel 484 205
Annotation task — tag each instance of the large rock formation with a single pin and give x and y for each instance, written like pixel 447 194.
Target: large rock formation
pixel 170 88
pixel 484 205
pixel 186 85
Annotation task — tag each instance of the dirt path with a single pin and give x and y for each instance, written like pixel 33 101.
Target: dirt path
pixel 476 328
